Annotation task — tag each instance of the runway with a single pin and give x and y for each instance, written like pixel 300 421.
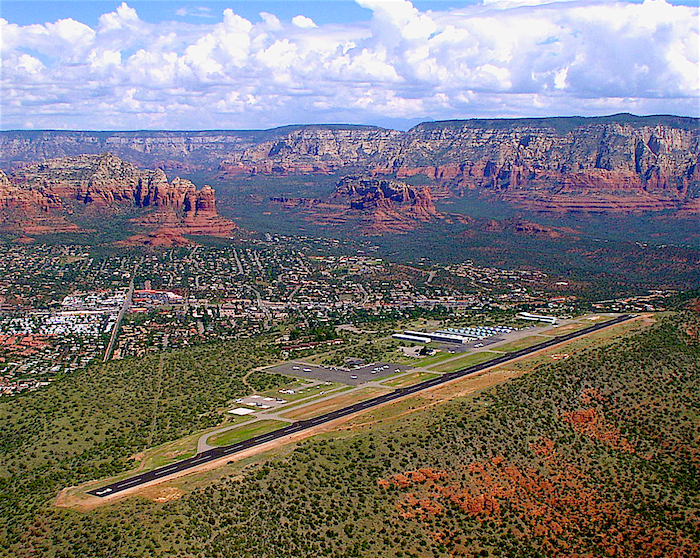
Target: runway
pixel 217 453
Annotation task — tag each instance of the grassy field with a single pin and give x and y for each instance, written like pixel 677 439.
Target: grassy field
pixel 182 448
pixel 309 398
pixel 168 453
pixel 464 362
pixel 576 346
pixel 561 330
pixel 245 432
pixel 334 403
pixel 435 359
pixel 409 379
pixel 521 344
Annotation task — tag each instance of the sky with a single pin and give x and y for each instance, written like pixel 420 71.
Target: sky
pixel 203 65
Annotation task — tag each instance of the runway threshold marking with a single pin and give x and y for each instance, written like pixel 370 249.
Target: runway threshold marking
pixel 156 474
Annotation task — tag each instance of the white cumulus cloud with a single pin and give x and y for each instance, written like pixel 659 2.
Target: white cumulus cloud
pixel 303 22
pixel 123 17
pixel 403 65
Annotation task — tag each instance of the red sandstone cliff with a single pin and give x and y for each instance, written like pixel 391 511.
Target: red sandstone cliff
pixel 370 194
pixel 48 192
pixel 376 206
pixel 620 163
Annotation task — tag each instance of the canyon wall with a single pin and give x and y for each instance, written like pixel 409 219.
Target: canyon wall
pixel 619 163
pixel 615 163
pixel 50 191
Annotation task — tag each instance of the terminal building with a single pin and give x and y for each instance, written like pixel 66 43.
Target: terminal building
pixel 537 317
pixel 427 337
pixel 416 338
pixel 443 337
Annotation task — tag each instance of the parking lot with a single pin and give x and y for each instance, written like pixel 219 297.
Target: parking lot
pixel 352 377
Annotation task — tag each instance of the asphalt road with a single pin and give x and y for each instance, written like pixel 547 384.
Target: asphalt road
pixel 122 311
pixel 217 453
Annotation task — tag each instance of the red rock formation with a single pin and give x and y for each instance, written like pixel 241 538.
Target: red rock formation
pixel 690 209
pixel 201 216
pixel 379 206
pixel 528 228
pixel 555 165
pixel 14 198
pixel 620 163
pixel 31 211
pixel 228 169
pixel 162 237
pixel 385 196
pixel 108 184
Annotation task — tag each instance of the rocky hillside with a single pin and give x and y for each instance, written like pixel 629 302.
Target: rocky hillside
pixel 620 163
pixel 369 194
pixel 375 206
pixel 171 149
pixel 598 165
pixel 41 198
pixel 613 164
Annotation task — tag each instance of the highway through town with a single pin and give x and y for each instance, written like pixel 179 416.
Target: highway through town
pixel 122 311
pixel 218 453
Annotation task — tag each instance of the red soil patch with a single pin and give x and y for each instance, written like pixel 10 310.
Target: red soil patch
pixel 419 476
pixel 553 508
pixel 545 449
pixel 591 423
